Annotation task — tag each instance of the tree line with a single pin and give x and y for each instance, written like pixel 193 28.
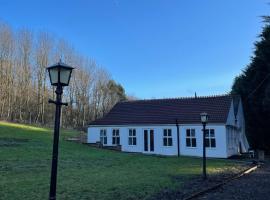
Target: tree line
pixel 253 84
pixel 25 87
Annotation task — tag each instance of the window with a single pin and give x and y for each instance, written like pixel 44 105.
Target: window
pixel 167 137
pixel 115 137
pixel 103 136
pixel 210 140
pixel 190 138
pixel 132 137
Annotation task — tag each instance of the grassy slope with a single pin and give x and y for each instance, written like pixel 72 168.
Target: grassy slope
pixel 85 172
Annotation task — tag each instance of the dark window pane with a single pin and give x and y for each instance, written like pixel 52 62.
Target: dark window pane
pixel 118 140
pixel 170 141
pixel 151 140
pixel 188 142
pixel 213 143
pixel 164 132
pixel 193 132
pixel 134 132
pixel 105 140
pixel 113 140
pixel 145 140
pixel 164 141
pixel 193 141
pixel 129 141
pixel 130 132
pixel 188 132
pixel 207 142
pixel 134 141
pixel 212 133
pixel 207 132
pixel 169 132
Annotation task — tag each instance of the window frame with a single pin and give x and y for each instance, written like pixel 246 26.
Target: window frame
pixel 115 136
pixel 167 139
pixel 191 138
pixel 132 137
pixel 210 138
pixel 103 136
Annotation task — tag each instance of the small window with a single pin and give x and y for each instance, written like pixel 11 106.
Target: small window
pixel 115 137
pixel 210 140
pixel 167 137
pixel 103 136
pixel 132 140
pixel 191 138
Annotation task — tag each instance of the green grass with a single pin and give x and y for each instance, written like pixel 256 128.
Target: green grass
pixel 85 172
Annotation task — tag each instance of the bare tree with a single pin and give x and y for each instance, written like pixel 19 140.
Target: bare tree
pixel 25 88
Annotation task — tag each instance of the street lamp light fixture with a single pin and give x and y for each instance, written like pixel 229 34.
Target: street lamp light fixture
pixel 60 74
pixel 204 120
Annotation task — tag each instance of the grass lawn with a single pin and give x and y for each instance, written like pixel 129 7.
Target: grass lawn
pixel 85 172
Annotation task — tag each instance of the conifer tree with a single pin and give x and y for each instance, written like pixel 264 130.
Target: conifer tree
pixel 254 87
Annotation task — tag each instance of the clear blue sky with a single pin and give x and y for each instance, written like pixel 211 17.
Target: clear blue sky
pixel 154 48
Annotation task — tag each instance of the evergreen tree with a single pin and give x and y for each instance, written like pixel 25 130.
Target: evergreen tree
pixel 254 87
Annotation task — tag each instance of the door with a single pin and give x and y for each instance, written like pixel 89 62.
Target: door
pixel 148 136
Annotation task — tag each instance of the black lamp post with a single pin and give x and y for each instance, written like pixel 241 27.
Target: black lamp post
pixel 60 74
pixel 204 120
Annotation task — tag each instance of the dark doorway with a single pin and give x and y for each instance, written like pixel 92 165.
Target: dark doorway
pixel 148 140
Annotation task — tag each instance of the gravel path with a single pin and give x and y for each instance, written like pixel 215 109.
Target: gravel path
pixel 254 186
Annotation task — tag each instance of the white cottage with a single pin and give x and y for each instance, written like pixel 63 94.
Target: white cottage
pixel 173 126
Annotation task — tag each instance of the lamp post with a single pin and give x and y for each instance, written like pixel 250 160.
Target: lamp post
pixel 204 120
pixel 60 74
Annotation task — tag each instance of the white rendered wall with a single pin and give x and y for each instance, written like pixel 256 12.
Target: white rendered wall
pixel 233 139
pixel 235 131
pixel 93 137
pixel 241 122
pixel 93 134
pixel 220 151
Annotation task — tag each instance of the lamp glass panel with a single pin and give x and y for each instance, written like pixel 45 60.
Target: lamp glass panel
pixel 203 118
pixel 65 75
pixel 54 75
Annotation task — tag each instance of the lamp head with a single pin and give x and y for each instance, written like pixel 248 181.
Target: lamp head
pixel 60 74
pixel 204 117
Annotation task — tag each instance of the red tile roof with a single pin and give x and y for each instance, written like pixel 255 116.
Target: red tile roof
pixel 166 111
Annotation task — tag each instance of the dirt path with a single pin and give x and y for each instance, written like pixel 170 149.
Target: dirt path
pixel 255 186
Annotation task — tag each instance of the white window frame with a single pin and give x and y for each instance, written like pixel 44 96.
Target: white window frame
pixel 132 137
pixel 115 137
pixel 167 137
pixel 103 136
pixel 210 136
pixel 191 137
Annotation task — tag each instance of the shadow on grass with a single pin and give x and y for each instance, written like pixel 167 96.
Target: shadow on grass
pixel 9 142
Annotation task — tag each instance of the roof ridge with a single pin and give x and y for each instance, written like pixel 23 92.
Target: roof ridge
pixel 179 98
